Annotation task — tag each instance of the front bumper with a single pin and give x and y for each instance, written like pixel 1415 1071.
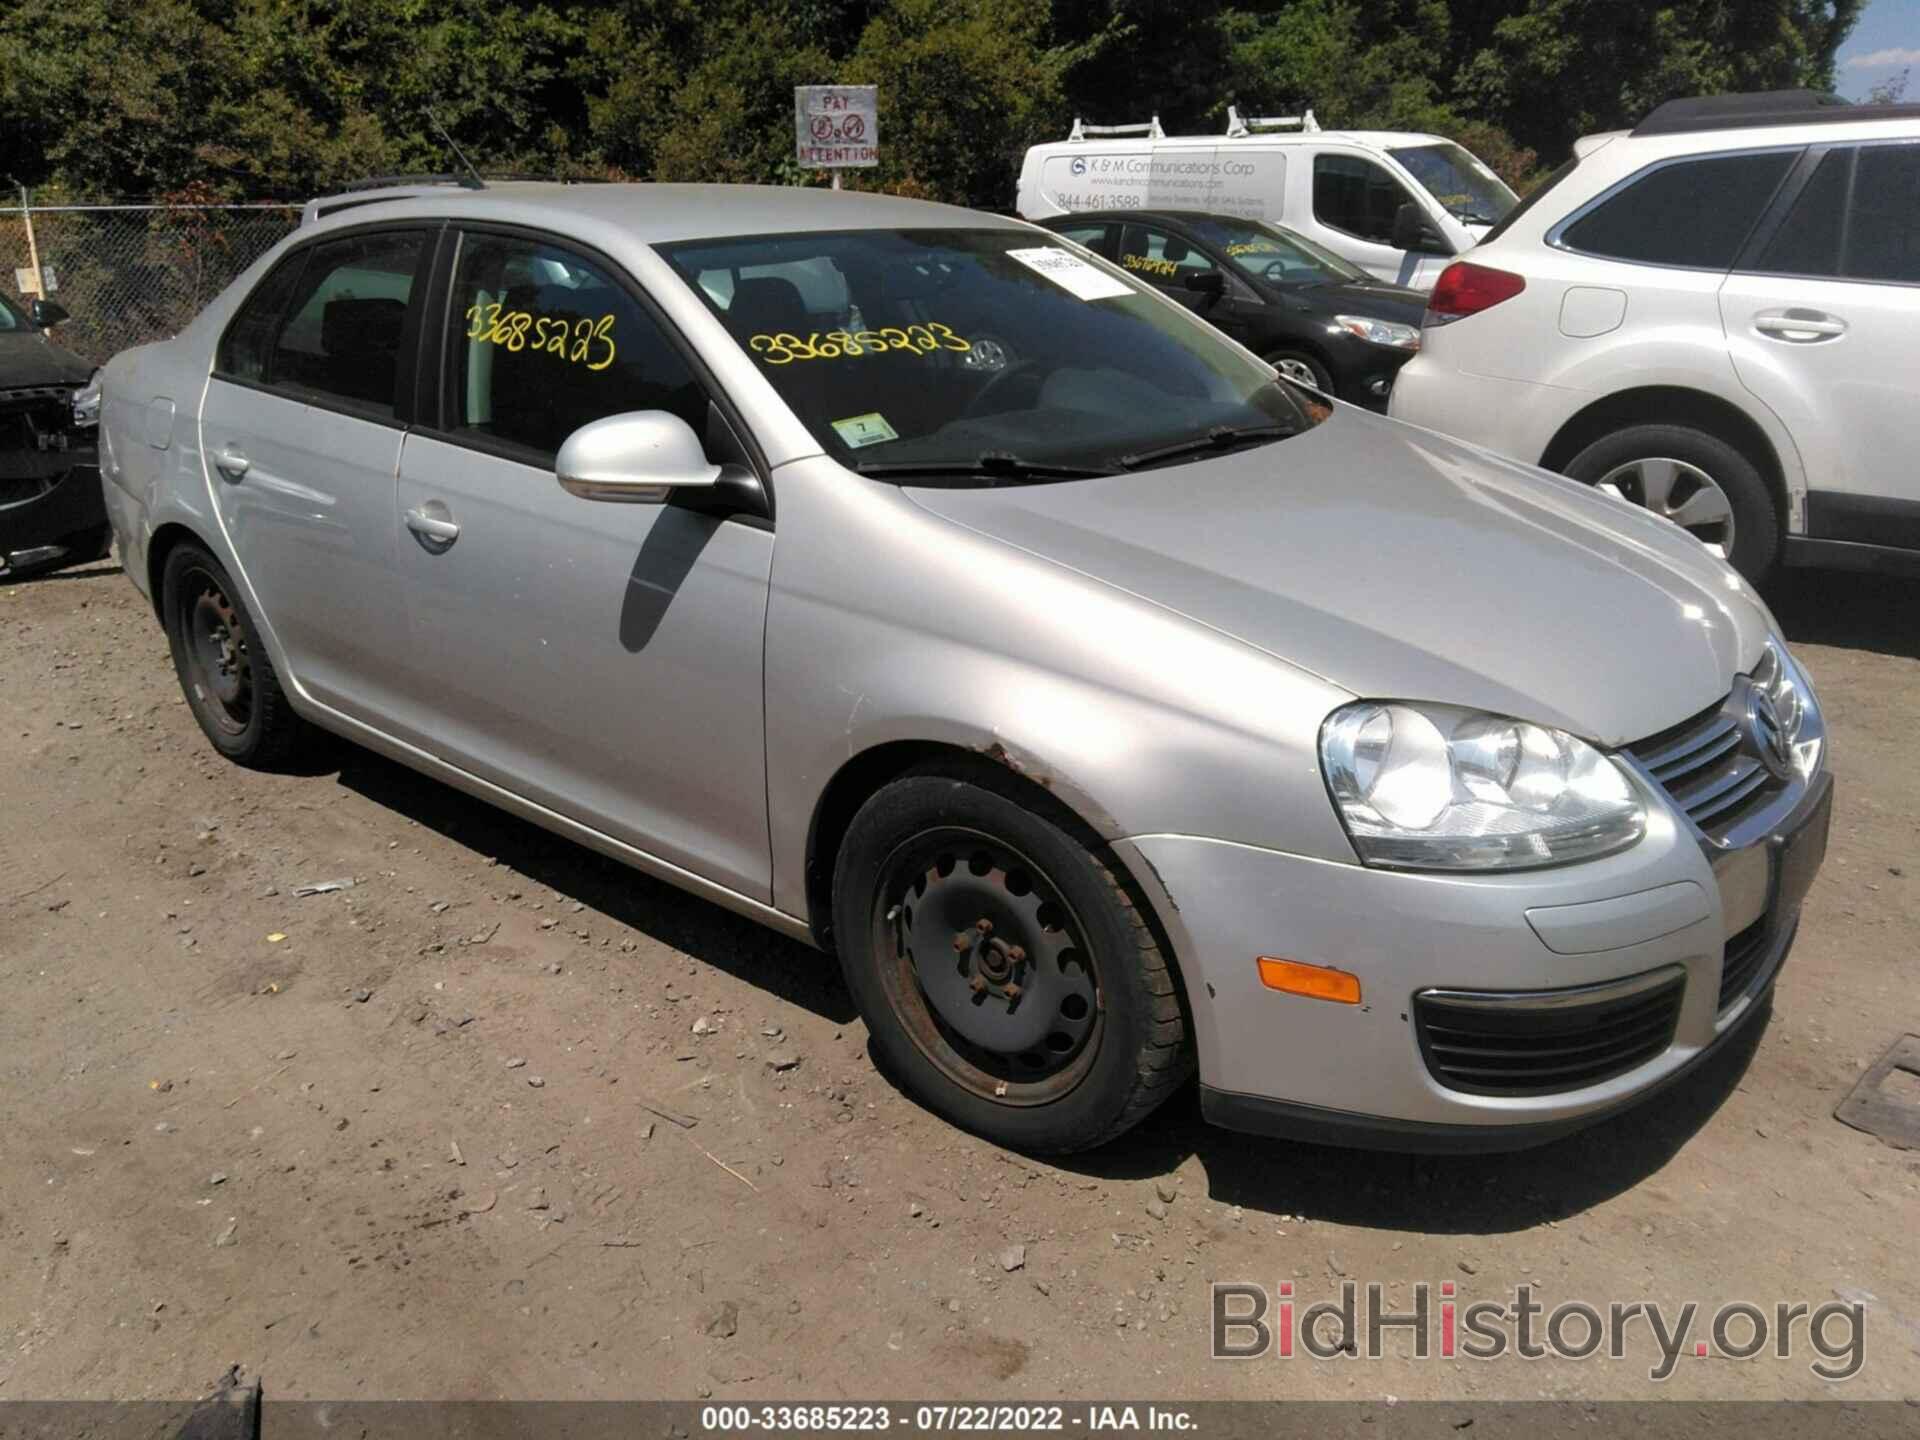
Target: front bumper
pixel 1278 1063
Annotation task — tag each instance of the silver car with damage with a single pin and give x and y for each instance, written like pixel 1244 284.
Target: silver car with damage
pixel 920 585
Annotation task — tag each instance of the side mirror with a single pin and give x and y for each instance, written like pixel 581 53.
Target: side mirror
pixel 640 457
pixel 1412 231
pixel 1207 282
pixel 45 314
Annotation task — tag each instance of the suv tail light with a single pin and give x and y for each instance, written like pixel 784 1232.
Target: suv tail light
pixel 1465 289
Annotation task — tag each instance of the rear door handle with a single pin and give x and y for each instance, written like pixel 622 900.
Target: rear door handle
pixel 231 461
pixel 1799 326
pixel 432 527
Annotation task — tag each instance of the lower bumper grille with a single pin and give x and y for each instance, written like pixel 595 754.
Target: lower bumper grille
pixel 1741 963
pixel 1547 1041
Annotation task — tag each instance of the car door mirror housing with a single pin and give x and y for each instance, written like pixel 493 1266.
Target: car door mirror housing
pixel 45 314
pixel 1207 282
pixel 1413 231
pixel 640 457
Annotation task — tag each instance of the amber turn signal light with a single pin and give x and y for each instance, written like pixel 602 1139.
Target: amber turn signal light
pixel 1316 982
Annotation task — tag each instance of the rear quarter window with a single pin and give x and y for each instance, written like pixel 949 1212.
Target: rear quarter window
pixel 1690 213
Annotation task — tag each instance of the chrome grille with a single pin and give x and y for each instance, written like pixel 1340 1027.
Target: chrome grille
pixel 1708 767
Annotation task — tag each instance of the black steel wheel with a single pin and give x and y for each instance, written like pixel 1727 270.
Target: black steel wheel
pixel 224 670
pixel 1007 975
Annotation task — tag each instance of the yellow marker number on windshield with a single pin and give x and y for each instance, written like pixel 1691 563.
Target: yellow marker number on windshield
pixel 784 349
pixel 585 342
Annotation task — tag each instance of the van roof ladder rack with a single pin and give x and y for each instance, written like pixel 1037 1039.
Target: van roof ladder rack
pixel 1151 129
pixel 1239 126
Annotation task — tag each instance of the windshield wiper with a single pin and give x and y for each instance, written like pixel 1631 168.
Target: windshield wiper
pixel 1220 437
pixel 996 464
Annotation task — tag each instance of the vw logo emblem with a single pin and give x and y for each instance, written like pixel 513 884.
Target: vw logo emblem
pixel 1767 735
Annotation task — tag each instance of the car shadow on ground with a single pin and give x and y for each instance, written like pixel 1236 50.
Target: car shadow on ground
pixel 1431 1194
pixel 708 933
pixel 1848 610
pixel 97 570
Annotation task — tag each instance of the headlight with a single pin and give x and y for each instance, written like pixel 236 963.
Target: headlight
pixel 1436 787
pixel 1381 332
pixel 1785 684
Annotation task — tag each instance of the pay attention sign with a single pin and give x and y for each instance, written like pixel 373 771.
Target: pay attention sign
pixel 836 126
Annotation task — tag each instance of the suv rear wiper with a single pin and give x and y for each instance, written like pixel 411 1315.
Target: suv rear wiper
pixel 998 464
pixel 1220 437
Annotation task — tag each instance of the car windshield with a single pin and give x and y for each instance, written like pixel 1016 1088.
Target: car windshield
pixel 981 356
pixel 1275 254
pixel 1471 193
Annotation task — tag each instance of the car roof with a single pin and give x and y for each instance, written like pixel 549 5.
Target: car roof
pixel 657 213
pixel 1178 217
pixel 1375 139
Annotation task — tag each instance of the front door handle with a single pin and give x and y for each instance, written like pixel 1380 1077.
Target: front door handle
pixel 1801 327
pixel 440 531
pixel 231 461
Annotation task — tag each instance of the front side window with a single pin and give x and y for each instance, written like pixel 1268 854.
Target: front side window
pixel 1278 256
pixel 1160 256
pixel 544 340
pixel 10 318
pixel 964 354
pixel 249 339
pixel 1353 194
pixel 1692 213
pixel 1465 188
pixel 341 337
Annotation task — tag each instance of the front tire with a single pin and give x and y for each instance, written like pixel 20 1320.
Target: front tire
pixel 1698 481
pixel 1005 973
pixel 1300 366
pixel 224 669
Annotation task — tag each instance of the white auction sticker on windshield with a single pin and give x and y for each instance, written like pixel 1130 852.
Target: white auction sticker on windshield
pixel 869 429
pixel 1071 273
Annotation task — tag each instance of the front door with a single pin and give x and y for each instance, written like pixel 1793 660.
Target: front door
pixel 1355 199
pixel 1168 260
pixel 1822 316
pixel 600 659
pixel 301 440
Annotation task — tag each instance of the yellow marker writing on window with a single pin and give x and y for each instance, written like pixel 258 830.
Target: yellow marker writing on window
pixel 585 341
pixel 785 349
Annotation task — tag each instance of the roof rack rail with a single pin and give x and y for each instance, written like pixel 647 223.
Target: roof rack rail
pixel 1756 108
pixel 1151 129
pixel 388 182
pixel 1239 126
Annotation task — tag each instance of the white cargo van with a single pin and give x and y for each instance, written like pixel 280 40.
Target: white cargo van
pixel 1396 203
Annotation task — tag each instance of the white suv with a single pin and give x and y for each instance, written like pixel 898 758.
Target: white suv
pixel 1717 313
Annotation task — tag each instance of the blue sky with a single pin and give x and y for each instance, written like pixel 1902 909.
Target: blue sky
pixel 1885 42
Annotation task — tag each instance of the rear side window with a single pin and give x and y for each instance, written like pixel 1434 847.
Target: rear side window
pixel 545 340
pixel 1693 213
pixel 1883 222
pixel 1353 194
pixel 1808 240
pixel 341 339
pixel 249 338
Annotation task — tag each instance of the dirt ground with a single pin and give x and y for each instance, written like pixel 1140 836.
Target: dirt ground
pixel 409 1138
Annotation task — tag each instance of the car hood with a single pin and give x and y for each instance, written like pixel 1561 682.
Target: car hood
pixel 28 357
pixel 1377 301
pixel 1395 563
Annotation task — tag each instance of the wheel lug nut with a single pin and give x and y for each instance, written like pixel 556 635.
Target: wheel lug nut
pixel 1012 991
pixel 984 926
pixel 1016 953
pixel 962 942
pixel 978 983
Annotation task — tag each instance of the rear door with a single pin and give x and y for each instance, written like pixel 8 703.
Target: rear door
pixel 1822 315
pixel 300 434
pixel 602 660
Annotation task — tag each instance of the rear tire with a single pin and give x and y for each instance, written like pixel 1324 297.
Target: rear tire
pixel 1006 975
pixel 225 672
pixel 1697 480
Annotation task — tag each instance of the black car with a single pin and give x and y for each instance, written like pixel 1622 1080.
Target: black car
pixel 1317 318
pixel 51 510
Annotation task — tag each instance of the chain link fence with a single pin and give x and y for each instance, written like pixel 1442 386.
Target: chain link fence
pixel 128 274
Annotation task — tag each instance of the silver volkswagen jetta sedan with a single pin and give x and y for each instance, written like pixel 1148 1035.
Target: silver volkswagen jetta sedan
pixel 931 591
